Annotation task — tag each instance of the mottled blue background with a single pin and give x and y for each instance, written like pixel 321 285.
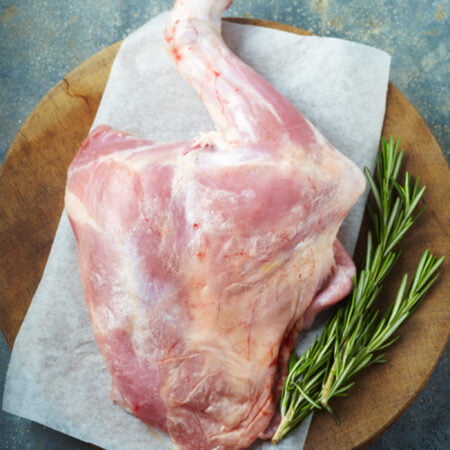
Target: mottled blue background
pixel 41 41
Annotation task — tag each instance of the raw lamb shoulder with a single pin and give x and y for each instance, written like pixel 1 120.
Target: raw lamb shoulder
pixel 202 260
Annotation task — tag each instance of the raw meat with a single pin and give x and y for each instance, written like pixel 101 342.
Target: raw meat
pixel 202 260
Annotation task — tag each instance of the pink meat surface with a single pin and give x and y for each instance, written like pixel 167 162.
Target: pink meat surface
pixel 202 260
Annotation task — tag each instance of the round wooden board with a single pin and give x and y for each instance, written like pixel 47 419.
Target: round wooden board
pixel 32 181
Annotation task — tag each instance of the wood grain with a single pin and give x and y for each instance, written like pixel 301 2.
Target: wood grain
pixel 32 181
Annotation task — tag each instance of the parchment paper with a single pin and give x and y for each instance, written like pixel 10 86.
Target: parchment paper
pixel 56 375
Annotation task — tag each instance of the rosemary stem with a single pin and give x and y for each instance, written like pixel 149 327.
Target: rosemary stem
pixel 283 427
pixel 326 387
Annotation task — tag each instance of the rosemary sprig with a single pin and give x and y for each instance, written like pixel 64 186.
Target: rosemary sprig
pixel 356 335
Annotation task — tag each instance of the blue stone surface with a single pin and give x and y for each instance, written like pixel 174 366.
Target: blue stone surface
pixel 41 41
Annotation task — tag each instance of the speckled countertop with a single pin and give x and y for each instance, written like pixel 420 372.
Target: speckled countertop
pixel 41 41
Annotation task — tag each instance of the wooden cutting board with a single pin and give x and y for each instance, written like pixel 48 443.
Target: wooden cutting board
pixel 32 181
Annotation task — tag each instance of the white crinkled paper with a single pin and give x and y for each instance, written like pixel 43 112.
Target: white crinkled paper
pixel 56 375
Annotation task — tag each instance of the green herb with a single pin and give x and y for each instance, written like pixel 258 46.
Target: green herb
pixel 356 334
